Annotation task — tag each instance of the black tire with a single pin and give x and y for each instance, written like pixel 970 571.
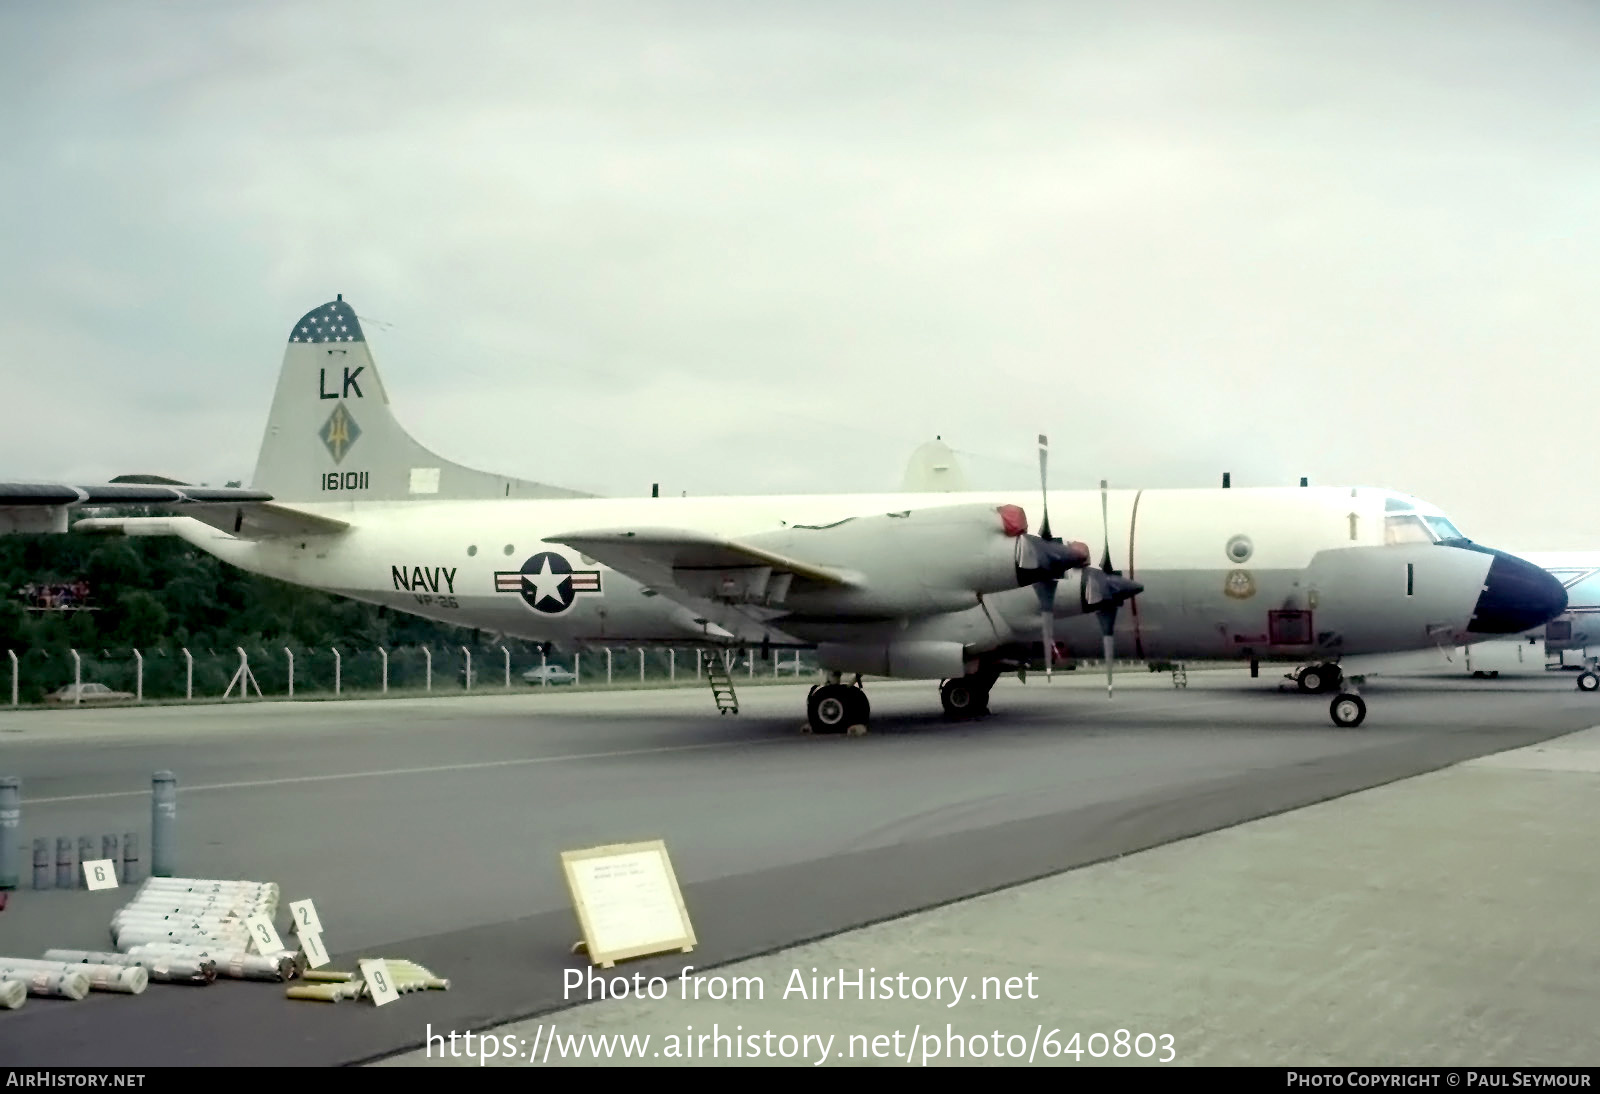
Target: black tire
pixel 1311 680
pixel 961 699
pixel 1588 681
pixel 834 708
pixel 1347 710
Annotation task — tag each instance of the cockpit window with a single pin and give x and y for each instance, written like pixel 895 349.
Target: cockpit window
pixel 1406 528
pixel 1443 528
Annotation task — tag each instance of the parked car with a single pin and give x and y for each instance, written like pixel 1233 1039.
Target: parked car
pixel 87 693
pixel 549 674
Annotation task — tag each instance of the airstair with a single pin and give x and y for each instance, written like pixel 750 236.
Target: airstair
pixel 722 686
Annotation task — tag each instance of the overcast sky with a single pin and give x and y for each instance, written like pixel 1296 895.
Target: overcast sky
pixel 771 248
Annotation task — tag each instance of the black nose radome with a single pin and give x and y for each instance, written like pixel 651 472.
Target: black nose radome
pixel 1517 596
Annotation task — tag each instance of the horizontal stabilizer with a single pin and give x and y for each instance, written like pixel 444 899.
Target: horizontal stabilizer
pixel 259 520
pixel 16 494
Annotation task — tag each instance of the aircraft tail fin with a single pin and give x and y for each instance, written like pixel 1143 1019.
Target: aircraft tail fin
pixel 332 437
pixel 934 469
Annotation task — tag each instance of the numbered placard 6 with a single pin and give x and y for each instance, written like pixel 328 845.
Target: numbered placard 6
pixel 380 984
pixel 263 935
pixel 100 874
pixel 305 917
pixel 311 944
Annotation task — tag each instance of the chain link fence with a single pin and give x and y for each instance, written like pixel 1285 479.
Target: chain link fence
pixel 84 677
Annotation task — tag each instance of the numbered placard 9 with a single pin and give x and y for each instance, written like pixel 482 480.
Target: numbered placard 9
pixel 311 945
pixel 263 935
pixel 305 917
pixel 380 984
pixel 100 874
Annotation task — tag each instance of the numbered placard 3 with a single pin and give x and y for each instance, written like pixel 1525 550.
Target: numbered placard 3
pixel 305 917
pixel 100 874
pixel 263 935
pixel 311 945
pixel 379 982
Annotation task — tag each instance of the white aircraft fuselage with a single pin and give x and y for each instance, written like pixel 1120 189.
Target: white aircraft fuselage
pixel 1313 571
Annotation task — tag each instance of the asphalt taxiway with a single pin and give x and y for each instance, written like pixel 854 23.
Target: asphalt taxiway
pixel 431 830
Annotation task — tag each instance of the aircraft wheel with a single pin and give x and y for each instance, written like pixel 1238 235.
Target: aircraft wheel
pixel 1348 710
pixel 961 699
pixel 1312 679
pixel 1588 681
pixel 834 708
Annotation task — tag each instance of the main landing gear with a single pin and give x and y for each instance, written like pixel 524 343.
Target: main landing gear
pixel 968 696
pixel 838 708
pixel 1348 709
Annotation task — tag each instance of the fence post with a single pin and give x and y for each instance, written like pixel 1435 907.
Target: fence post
pixel 750 663
pixel 699 662
pixel 608 666
pixel 427 656
pixel 14 674
pixel 338 665
pixel 188 677
pixel 77 678
pixel 163 818
pixel 508 666
pixel 469 666
pixel 672 666
pixel 138 677
pixel 10 821
pixel 641 664
pixel 290 652
pixel 384 653
pixel 544 676
pixel 577 672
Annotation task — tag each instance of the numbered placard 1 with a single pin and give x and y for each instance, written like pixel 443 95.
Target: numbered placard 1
pixel 100 874
pixel 263 935
pixel 380 984
pixel 311 945
pixel 305 917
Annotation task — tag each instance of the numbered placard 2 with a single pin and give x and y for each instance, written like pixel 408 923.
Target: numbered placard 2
pixel 305 917
pixel 263 935
pixel 380 984
pixel 100 874
pixel 311 945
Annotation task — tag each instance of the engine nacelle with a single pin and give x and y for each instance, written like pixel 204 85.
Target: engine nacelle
pixel 906 660
pixel 919 562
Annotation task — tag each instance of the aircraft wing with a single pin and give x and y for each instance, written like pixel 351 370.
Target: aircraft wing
pixel 42 507
pixel 701 565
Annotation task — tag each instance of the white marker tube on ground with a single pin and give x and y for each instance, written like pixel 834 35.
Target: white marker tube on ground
pixel 163 968
pixel 54 985
pixel 128 981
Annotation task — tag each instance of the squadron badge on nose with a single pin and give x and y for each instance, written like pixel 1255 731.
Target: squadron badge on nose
pixel 548 583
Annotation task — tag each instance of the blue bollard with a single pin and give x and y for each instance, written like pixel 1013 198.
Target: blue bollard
pixel 10 821
pixel 163 819
pixel 130 857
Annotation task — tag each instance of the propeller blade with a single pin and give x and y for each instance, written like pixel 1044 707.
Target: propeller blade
pixel 1049 620
pixel 1107 648
pixel 1105 530
pixel 1044 455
